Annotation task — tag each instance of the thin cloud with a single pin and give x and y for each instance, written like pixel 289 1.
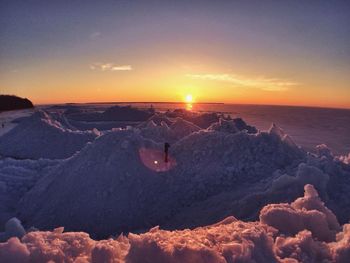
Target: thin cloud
pixel 95 35
pixel 268 84
pixel 110 67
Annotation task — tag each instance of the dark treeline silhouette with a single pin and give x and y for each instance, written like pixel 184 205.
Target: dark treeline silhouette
pixel 11 102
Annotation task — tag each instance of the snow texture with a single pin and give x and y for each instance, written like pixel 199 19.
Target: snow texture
pixel 111 169
pixel 229 240
pixel 41 136
pixel 122 177
pixel 16 178
pixel 116 181
pixel 345 158
pixel 304 213
pixel 13 228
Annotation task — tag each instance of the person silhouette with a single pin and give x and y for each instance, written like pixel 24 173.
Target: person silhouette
pixel 166 150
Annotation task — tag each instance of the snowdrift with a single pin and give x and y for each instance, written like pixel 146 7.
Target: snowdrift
pixel 117 182
pixel 41 136
pixel 108 181
pixel 16 178
pixel 229 240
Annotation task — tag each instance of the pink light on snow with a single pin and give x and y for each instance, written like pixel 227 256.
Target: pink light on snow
pixel 154 160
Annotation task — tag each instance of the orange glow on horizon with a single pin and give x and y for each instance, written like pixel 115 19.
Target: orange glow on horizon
pixel 159 84
pixel 189 106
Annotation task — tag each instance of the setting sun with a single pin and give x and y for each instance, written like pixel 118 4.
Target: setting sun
pixel 189 98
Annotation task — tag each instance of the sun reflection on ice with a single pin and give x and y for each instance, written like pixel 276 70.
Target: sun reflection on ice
pixel 189 102
pixel 189 106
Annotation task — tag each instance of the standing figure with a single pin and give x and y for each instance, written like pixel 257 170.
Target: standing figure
pixel 166 150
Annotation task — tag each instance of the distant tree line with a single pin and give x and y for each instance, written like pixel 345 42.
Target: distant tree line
pixel 11 102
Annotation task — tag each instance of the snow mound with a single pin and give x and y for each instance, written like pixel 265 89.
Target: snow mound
pixel 229 240
pixel 14 251
pixel 97 183
pixel 307 212
pixel 40 136
pixel 224 126
pixel 157 132
pixel 16 178
pixel 13 228
pixel 161 129
pixel 277 131
pixel 203 120
pixel 305 174
pixel 110 180
pixel 182 128
pixel 158 118
pixel 232 126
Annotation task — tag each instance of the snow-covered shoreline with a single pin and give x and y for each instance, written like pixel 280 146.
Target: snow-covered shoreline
pixel 303 231
pixel 113 181
pixel 7 119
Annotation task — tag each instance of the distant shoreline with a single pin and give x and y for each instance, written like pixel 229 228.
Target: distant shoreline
pixel 198 103
pixel 148 102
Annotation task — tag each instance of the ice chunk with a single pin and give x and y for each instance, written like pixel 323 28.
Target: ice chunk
pixel 13 251
pixel 344 158
pixel 323 150
pixel 182 128
pixel 274 129
pixel 307 212
pixel 302 248
pixel 13 228
pixel 224 126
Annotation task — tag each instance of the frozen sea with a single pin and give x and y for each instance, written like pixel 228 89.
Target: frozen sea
pixel 307 126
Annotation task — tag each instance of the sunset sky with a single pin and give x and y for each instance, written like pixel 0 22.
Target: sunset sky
pixel 257 52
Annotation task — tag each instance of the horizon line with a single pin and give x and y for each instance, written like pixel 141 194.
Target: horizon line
pixel 181 102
